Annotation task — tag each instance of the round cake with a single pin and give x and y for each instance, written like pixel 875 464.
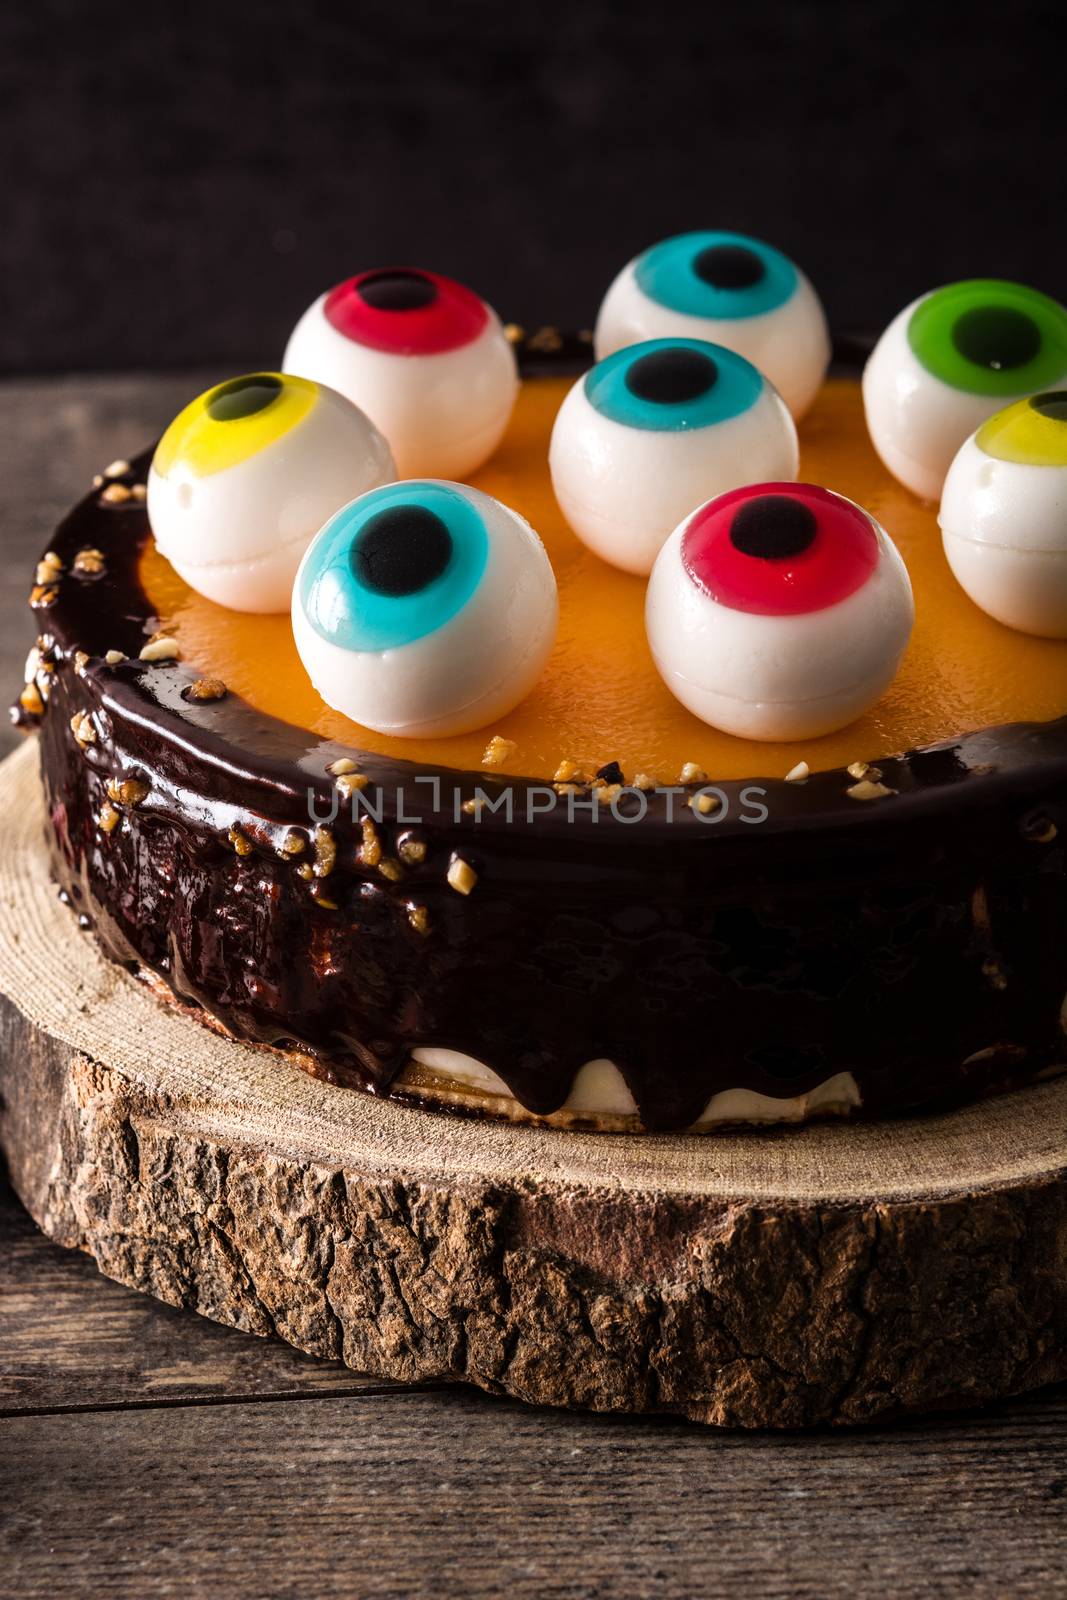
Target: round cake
pixel 597 910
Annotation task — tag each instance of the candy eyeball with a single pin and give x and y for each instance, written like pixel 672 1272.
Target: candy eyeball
pixel 730 290
pixel 246 475
pixel 423 356
pixel 947 362
pixel 779 611
pixel 655 430
pixel 1004 515
pixel 425 608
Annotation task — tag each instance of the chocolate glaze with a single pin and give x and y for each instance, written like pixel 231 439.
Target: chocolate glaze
pixel 918 941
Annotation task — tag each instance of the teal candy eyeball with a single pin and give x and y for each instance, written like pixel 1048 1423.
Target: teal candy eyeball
pixel 425 608
pixel 655 430
pixel 731 290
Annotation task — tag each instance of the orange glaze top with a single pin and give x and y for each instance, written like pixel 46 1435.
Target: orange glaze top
pixel 600 698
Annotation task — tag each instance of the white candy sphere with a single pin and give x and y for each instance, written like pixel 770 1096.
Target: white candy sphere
pixel 246 475
pixel 779 611
pixel 423 356
pixel 655 430
pixel 948 361
pixel 730 290
pixel 1004 515
pixel 425 608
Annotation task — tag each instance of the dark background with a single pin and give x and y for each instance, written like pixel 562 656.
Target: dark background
pixel 182 180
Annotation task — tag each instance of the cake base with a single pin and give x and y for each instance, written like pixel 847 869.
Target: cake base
pixel 829 1274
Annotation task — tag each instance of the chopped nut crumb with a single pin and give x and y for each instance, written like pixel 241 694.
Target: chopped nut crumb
pixel 294 844
pixel 81 726
pixel 605 793
pixel 391 869
pixel 161 648
pixel 412 851
pixel 43 595
pixel 322 899
pixel 643 782
pixel 350 783
pixel 799 773
pixel 472 807
pixel 992 970
pixel 565 771
pixel 31 702
pixel 704 803
pixel 127 791
pixel 242 844
pixel 116 494
pixel 325 852
pixel 497 751
pixel 343 764
pixel 306 871
pixel 514 333
pixel 108 818
pixel 863 769
pixel 205 689
pixel 546 341
pixel 567 788
pixel 419 918
pixel 691 773
pixel 98 480
pixel 88 564
pixel 370 852
pixel 868 790
pixel 461 875
pixel 50 559
pixel 113 657
pixel 46 574
pixel 139 491
pixel 117 469
pixel 81 660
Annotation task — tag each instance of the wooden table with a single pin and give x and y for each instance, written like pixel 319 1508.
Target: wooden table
pixel 145 1452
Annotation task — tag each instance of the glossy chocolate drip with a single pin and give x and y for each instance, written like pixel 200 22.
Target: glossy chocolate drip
pixel 917 943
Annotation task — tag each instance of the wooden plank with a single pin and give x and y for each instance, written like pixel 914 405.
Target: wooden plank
pixel 452 1495
pixel 71 1340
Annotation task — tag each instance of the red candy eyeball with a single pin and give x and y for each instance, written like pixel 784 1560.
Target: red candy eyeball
pixel 778 611
pixel 423 356
pixel 780 549
pixel 406 312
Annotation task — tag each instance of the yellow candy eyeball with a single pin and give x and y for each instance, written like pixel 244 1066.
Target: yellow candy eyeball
pixel 1003 515
pixel 245 477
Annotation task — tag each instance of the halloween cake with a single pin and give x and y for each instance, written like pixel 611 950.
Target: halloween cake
pixel 607 735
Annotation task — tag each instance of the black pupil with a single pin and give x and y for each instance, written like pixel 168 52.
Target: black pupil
pixel 397 291
pixel 401 550
pixel 668 376
pixel 729 266
pixel 1052 405
pixel 243 397
pixel 773 528
pixel 996 337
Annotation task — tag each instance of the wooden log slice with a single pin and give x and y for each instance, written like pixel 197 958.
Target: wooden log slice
pixel 831 1273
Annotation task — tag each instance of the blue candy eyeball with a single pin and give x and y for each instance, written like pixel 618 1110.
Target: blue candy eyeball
pixel 655 430
pixel 425 608
pixel 730 290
